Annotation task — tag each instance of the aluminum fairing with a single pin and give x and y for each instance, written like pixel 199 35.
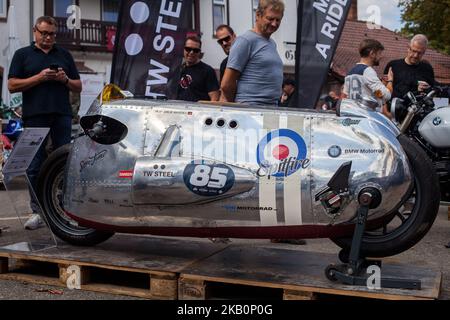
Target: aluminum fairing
pixel 141 181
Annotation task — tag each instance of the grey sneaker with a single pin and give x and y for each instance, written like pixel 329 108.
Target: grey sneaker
pixel 34 222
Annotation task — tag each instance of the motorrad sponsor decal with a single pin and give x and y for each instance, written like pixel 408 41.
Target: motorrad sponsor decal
pixel 235 208
pixel 335 151
pixel 108 201
pixel 350 122
pixel 91 161
pixel 364 151
pixel 281 153
pixel 208 180
pixel 159 172
pixel 126 174
pixel 92 200
pixel 437 121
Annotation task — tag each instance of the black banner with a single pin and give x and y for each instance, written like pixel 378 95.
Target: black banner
pixel 149 45
pixel 320 24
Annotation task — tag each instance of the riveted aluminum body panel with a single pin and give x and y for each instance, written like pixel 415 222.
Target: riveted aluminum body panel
pixel 99 186
pixel 377 160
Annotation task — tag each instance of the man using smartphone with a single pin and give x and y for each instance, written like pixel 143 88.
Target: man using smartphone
pixel 45 74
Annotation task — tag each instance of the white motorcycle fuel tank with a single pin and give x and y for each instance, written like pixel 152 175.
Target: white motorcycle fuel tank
pixel 435 128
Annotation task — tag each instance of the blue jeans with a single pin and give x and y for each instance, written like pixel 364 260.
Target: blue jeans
pixel 60 133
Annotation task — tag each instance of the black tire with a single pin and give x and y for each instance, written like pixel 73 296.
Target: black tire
pixel 49 192
pixel 418 222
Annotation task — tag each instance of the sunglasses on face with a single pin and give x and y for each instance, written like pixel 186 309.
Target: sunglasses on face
pixel 45 34
pixel 194 50
pixel 224 40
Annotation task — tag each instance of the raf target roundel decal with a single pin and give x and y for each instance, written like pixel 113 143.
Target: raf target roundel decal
pixel 283 151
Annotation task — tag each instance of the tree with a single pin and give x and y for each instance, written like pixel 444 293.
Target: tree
pixel 429 17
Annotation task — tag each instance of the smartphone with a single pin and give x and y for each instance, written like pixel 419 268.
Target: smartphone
pixel 54 67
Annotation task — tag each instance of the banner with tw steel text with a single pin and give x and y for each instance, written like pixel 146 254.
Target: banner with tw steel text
pixel 149 45
pixel 320 24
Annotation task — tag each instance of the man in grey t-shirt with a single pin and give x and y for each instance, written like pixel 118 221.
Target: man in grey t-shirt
pixel 254 73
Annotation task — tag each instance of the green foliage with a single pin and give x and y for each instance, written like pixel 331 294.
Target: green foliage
pixel 429 17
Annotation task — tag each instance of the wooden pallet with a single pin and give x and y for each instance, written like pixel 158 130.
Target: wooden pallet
pixel 135 266
pixel 290 275
pixel 157 268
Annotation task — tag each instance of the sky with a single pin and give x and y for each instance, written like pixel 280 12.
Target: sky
pixel 386 12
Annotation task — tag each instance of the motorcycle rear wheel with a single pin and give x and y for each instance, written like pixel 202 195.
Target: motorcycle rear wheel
pixel 422 206
pixel 50 194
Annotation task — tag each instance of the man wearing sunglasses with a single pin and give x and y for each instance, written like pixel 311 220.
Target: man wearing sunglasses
pixel 412 73
pixel 225 37
pixel 45 74
pixel 254 73
pixel 197 80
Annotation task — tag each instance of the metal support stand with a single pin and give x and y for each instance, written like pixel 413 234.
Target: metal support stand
pixel 355 271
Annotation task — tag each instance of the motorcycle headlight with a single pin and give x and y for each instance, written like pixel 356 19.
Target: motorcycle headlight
pixel 398 109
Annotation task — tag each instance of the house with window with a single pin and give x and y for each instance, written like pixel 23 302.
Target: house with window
pixel 92 44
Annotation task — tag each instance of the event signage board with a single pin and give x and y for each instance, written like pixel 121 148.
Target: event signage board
pixel 150 45
pixel 319 29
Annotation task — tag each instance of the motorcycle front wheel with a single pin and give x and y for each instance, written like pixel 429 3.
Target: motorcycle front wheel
pixel 50 187
pixel 410 223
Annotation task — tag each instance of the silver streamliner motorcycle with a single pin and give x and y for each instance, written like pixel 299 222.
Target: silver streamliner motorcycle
pixel 174 168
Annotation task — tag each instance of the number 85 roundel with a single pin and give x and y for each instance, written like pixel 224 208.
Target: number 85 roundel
pixel 208 180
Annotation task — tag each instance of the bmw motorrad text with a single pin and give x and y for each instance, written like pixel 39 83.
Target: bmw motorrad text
pixel 226 310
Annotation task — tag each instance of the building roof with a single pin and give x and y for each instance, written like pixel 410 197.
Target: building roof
pixel 395 48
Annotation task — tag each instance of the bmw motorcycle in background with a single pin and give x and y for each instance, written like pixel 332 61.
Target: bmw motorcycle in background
pixel 418 118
